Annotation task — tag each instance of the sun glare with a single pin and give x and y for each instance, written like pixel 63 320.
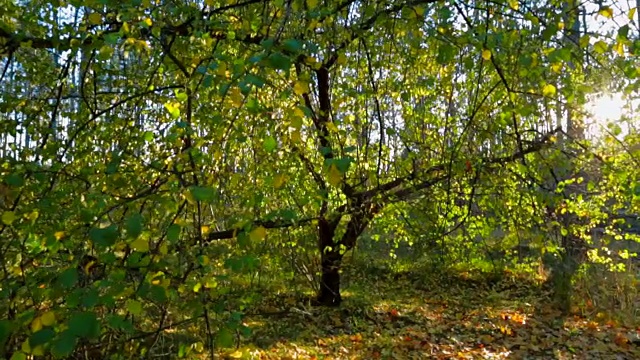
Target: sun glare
pixel 604 109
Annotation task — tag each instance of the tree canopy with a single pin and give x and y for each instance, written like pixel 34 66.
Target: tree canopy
pixel 138 136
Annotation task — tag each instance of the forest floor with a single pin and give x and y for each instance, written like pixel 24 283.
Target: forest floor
pixel 447 318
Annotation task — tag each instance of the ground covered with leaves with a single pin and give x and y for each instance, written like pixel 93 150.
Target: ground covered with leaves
pixel 460 317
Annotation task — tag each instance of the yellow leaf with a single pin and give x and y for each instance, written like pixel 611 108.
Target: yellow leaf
pixel 87 267
pixel 148 22
pixel 205 229
pixel 189 197
pixel 33 216
pixel 164 249
pixel 36 324
pixel 106 51
pixel 514 4
pixel 313 62
pixel 222 69
pixel 332 127
pixel 300 87
pixel 59 235
pixel 632 13
pixel 606 12
pixel 140 245
pixel 335 176
pixel 619 48
pixel 258 233
pixel 8 217
pixel 313 24
pixel 26 348
pixel 296 122
pixel 236 97
pixel 210 283
pixel 486 54
pixel 548 90
pixel 298 112
pixel 342 59
pixel 37 351
pixel 279 181
pixel 312 4
pixel 95 18
pixel 295 136
pixel 48 318
pixel 237 354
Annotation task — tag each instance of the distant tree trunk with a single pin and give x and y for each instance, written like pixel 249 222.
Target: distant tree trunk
pixel 566 266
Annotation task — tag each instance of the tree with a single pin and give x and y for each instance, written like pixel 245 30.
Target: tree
pixel 177 125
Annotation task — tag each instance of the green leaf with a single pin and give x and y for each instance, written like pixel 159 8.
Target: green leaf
pixel 204 194
pixel 181 95
pixel 41 337
pixel 148 136
pixel 6 328
pixel 134 225
pixel 16 180
pixel 446 54
pixel 84 324
pixel 91 298
pixel 270 144
pixel 279 61
pixel 293 45
pixel 255 80
pixel 173 233
pixel 343 164
pixel 550 31
pixel 134 307
pixel 64 344
pixel 68 278
pixel 120 322
pixel 158 294
pixel 623 32
pixel 104 237
pixel 615 129
pixel 224 338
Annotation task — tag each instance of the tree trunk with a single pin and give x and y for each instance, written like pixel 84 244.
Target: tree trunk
pixel 329 294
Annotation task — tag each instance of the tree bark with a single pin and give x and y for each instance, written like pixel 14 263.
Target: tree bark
pixel 329 294
pixel 332 251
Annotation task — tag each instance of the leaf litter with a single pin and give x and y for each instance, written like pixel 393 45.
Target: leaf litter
pixel 446 319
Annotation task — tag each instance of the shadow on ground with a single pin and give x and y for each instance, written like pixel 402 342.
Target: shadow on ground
pixel 446 317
